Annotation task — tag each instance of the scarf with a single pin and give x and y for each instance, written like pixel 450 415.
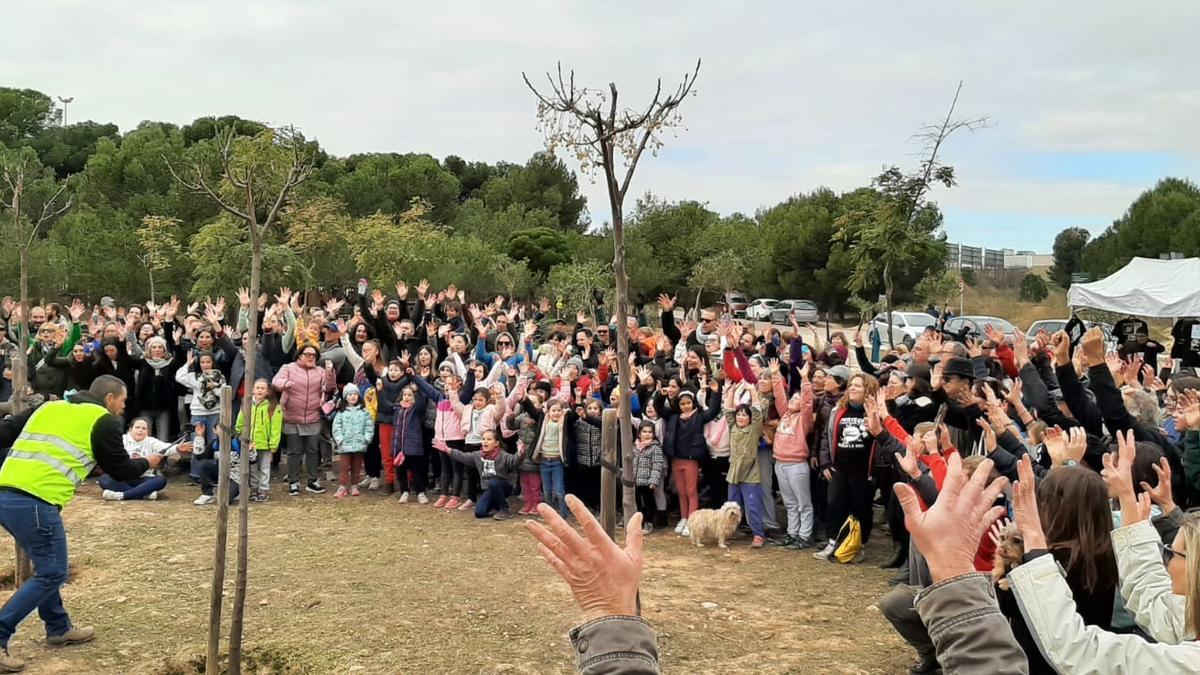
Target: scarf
pixel 643 445
pixel 490 455
pixel 158 364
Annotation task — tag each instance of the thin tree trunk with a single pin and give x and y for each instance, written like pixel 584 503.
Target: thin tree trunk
pixel 624 409
pixel 250 349
pixel 22 565
pixel 151 273
pixel 610 429
pixel 887 294
pixel 212 665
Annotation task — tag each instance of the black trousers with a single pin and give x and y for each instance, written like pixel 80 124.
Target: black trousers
pixel 850 493
pixel 416 467
pixel 648 507
pixel 713 485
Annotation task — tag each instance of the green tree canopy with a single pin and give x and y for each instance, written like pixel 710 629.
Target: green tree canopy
pixel 543 182
pixel 541 247
pixel 1068 251
pixel 23 114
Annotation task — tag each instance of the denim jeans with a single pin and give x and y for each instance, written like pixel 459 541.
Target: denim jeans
pixel 554 491
pixel 495 498
pixel 38 528
pixel 210 470
pixel 137 488
pixel 209 422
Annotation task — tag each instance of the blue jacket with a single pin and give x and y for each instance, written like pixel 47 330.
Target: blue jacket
pixel 408 429
pixel 353 430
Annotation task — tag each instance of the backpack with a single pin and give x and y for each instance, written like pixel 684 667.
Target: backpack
pixel 848 542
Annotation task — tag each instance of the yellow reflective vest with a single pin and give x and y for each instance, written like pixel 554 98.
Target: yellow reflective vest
pixel 53 454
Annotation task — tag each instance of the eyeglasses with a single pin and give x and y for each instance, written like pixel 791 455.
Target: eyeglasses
pixel 504 343
pixel 1169 553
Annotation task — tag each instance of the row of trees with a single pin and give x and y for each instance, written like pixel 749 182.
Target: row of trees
pixel 1165 218
pixel 135 232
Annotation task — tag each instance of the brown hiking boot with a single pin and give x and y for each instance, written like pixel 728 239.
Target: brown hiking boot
pixel 72 637
pixel 9 663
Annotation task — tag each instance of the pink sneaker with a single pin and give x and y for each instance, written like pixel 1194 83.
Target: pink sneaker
pixel 354 491
pixel 441 501
pixel 341 492
pixel 465 505
pixel 453 503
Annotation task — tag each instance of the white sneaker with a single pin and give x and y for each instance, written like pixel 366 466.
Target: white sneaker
pixel 365 482
pixel 680 525
pixel 824 553
pixel 153 496
pixel 686 532
pixel 374 484
pixel 421 498
pixel 403 497
pixel 112 495
pixel 204 500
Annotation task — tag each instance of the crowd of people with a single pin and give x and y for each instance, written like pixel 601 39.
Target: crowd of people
pixel 472 405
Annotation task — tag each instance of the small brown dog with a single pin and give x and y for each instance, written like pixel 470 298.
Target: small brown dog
pixel 719 524
pixel 1010 550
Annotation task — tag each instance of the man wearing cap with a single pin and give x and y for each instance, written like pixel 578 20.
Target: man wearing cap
pixel 53 449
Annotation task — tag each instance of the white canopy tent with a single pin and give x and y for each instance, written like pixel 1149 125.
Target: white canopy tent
pixel 1161 289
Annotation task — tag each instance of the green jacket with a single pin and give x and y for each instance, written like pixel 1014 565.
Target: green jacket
pixel 267 428
pixel 1191 459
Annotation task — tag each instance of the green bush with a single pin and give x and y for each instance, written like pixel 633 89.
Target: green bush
pixel 1033 288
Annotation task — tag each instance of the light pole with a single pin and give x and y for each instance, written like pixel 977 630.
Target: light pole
pixel 64 102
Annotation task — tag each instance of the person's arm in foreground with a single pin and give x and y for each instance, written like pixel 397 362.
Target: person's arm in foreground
pixel 1049 610
pixel 959 609
pixel 603 577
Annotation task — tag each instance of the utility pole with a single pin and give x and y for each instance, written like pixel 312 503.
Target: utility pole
pixel 64 101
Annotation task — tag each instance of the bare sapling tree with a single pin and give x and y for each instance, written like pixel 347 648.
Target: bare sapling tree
pixel 19 170
pixel 899 230
pixel 255 180
pixel 591 124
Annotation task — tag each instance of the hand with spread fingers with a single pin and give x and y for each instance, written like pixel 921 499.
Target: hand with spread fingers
pixel 948 534
pixel 602 576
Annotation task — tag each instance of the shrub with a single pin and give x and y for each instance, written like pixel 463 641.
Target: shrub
pixel 1033 288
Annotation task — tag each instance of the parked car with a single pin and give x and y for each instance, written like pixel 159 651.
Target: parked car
pixel 805 312
pixel 973 326
pixel 906 327
pixel 734 303
pixel 1052 326
pixel 760 309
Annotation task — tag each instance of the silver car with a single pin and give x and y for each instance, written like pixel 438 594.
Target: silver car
pixel 805 312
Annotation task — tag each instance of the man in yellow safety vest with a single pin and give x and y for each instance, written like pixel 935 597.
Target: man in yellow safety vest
pixel 50 451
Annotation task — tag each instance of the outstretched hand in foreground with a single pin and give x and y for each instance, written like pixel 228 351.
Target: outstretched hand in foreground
pixel 602 576
pixel 949 532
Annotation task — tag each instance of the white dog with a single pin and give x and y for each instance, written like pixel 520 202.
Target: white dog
pixel 719 524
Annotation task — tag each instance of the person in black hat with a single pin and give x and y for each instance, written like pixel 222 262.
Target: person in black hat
pixel 958 374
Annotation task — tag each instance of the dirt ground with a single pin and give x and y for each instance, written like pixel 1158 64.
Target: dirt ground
pixel 373 586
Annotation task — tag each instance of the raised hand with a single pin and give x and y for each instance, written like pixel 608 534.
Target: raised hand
pixel 243 296
pixel 422 288
pixel 332 307
pixel 1161 493
pixel 1118 474
pixel 1020 347
pixel 1062 348
pixel 907 461
pixel 948 533
pixel 401 290
pixel 989 436
pixel 77 310
pixel 1187 410
pixel 603 577
pixel 1025 507
pixel 544 305
pixel 666 302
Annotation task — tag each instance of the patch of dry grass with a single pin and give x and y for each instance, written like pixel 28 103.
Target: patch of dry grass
pixel 372 586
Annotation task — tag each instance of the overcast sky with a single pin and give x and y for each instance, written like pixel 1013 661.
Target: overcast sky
pixel 1091 101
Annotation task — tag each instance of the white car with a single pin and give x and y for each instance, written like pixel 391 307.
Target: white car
pixel 906 327
pixel 760 309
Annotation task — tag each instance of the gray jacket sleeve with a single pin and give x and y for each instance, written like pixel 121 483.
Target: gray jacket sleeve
pixel 615 644
pixel 965 624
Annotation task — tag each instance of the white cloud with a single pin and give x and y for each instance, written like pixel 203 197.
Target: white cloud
pixel 791 95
